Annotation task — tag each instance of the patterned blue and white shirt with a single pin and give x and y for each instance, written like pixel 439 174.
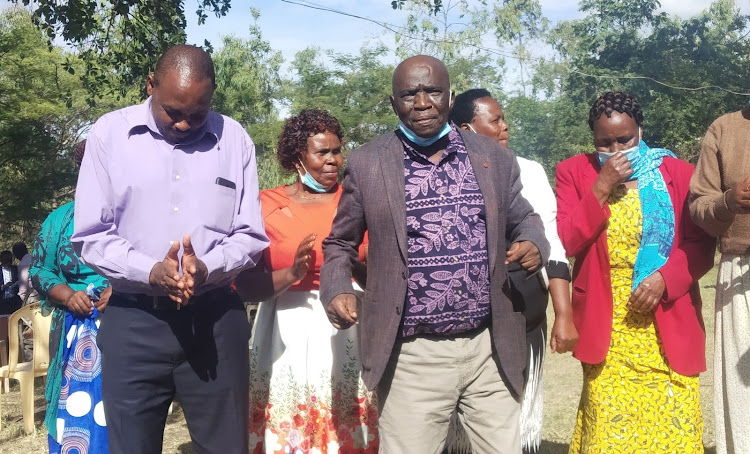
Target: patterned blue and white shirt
pixel 448 288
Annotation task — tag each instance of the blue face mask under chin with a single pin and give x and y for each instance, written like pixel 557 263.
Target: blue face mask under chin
pixel 419 141
pixel 311 182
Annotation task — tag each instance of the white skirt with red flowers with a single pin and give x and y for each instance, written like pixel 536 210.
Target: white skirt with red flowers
pixel 306 395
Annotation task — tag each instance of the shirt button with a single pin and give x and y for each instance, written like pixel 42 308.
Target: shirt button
pixel 176 209
pixel 403 274
pixel 177 177
pixel 398 311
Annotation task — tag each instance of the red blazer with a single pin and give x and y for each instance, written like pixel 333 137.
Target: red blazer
pixel 582 225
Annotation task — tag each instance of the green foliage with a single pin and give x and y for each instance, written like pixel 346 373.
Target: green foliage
pixel 248 82
pixel 119 40
pixel 627 45
pixel 354 89
pixel 42 115
pixel 455 32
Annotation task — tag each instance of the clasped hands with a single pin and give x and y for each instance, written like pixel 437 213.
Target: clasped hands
pixel 165 275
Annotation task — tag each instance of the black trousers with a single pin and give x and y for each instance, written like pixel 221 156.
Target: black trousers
pixel 199 353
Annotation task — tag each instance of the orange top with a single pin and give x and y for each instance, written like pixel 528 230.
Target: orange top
pixel 287 223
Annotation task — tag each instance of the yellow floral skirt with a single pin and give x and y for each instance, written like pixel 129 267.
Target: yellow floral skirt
pixel 633 402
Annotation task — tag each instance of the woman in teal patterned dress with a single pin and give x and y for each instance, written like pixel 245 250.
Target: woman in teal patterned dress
pixel 74 294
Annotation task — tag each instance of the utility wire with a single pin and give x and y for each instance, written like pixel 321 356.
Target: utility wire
pixel 393 28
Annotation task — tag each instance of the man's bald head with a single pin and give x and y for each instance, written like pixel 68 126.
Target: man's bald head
pixel 421 95
pixel 189 62
pixel 432 64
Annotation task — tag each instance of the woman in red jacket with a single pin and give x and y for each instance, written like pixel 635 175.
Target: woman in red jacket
pixel 623 215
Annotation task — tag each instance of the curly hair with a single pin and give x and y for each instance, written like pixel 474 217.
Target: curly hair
pixel 464 106
pixel 616 101
pixel 297 129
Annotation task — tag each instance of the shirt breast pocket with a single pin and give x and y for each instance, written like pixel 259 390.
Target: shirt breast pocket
pixel 219 208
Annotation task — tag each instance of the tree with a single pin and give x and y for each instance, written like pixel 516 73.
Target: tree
pixel 624 45
pixel 353 88
pixel 454 32
pixel 42 115
pixel 119 41
pixel 248 83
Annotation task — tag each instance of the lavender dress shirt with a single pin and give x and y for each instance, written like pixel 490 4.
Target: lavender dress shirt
pixel 137 192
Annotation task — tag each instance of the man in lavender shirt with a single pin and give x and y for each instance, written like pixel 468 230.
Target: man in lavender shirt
pixel 167 209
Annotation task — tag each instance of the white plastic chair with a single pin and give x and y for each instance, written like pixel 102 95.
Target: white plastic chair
pixel 25 372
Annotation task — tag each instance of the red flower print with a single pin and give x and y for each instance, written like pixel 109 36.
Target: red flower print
pixel 299 421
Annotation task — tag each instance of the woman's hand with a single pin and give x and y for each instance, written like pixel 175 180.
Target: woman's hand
pixel 80 303
pixel 302 258
pixel 614 172
pixel 564 336
pixel 103 299
pixel 647 295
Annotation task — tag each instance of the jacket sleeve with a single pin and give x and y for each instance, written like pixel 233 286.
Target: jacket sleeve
pixel 580 218
pixel 523 224
pixel 691 257
pixel 708 207
pixel 341 247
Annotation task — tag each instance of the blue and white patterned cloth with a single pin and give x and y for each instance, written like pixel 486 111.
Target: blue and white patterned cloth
pixel 81 426
pixel 658 213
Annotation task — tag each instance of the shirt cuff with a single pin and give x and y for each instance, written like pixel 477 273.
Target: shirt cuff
pixel 558 270
pixel 722 212
pixel 140 267
pixel 214 261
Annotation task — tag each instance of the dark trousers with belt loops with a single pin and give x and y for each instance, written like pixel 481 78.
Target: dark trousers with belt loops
pixel 153 352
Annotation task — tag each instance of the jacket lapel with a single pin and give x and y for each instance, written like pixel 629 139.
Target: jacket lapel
pixel 486 175
pixel 391 159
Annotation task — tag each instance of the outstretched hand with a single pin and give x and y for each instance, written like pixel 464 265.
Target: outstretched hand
pixel 194 271
pixel 302 258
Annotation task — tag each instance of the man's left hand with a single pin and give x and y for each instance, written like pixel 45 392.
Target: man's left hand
pixel 647 295
pixel 526 253
pixel 194 271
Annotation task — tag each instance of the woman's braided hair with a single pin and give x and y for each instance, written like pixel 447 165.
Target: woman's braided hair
pixel 616 101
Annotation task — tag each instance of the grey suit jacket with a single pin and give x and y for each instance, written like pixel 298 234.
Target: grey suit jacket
pixel 374 200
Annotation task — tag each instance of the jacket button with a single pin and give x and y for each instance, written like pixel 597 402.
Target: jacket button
pixel 398 311
pixel 403 274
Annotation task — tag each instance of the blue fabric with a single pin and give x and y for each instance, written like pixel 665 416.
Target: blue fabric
pixel 658 212
pixel 81 427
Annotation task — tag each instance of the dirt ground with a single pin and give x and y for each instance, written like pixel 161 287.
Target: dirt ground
pixel 562 387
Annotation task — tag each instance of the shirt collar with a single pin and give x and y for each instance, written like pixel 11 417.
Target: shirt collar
pixel 145 119
pixel 455 141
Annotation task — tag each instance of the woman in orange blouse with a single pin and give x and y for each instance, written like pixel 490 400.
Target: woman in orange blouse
pixel 305 391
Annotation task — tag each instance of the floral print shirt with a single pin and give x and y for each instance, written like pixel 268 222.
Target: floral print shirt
pixel 448 288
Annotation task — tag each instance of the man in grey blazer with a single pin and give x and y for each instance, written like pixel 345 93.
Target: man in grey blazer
pixel 437 327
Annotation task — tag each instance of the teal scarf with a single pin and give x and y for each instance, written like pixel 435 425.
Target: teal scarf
pixel 658 213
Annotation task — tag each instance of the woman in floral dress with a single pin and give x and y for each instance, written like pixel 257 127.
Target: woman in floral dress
pixel 622 213
pixel 305 392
